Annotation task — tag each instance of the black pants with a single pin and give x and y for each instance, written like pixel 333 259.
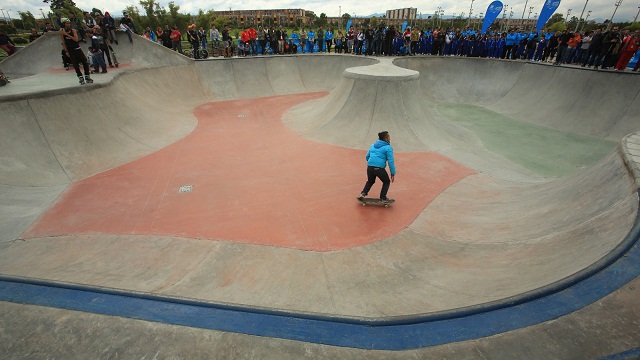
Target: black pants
pixel 378 46
pixel 506 52
pixel 77 57
pixel 560 55
pixel 435 50
pixel 66 61
pixel 195 46
pixel 107 54
pixel 373 173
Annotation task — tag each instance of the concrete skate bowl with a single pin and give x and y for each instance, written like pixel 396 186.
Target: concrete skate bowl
pixel 549 168
pixel 546 199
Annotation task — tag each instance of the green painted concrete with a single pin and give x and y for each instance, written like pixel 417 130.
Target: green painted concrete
pixel 545 151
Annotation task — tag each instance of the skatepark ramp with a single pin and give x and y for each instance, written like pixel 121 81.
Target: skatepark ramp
pixel 543 194
pixel 406 104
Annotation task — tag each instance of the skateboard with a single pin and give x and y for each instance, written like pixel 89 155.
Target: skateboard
pixel 375 201
pixel 113 55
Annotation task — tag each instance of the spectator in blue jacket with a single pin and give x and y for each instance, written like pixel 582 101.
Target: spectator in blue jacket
pixel 509 46
pixel 377 157
pixel 328 37
pixel 311 40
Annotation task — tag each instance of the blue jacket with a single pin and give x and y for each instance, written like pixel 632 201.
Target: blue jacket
pixel 378 155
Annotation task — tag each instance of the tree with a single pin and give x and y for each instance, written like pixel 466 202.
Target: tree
pixel 59 4
pixel 555 18
pixel 311 18
pixel 322 20
pixel 17 23
pixel 173 12
pixel 589 26
pixel 8 29
pixel 179 20
pixel 632 27
pixel 148 6
pixel 64 7
pixel 204 19
pixel 373 21
pixel 28 21
pixel 160 14
pixel 220 22
pixel 559 26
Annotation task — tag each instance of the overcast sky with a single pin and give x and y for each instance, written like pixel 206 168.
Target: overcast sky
pixel 601 9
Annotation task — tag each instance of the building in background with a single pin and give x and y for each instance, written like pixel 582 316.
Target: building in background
pixel 266 17
pixel 402 14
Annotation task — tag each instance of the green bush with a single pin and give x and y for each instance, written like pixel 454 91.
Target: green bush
pixel 633 27
pixel 20 41
pixel 8 29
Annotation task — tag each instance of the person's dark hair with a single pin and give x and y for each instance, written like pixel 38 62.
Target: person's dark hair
pixel 382 135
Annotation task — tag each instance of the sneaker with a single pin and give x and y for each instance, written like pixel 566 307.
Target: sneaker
pixel 111 65
pixel 88 79
pixel 361 196
pixel 385 201
pixel 103 72
pixel 66 68
pixel 81 80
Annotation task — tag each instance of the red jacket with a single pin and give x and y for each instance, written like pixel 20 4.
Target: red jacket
pixel 253 34
pixel 630 44
pixel 175 35
pixel 245 36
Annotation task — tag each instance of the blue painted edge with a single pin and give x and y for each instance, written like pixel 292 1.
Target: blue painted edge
pixel 625 355
pixel 619 267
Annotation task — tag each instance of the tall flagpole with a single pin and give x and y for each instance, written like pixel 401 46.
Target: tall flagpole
pixel 579 20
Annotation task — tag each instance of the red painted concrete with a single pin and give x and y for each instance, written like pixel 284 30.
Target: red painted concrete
pixel 254 181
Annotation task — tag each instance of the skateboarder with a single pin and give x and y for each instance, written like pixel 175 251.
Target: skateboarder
pixel 377 157
pixel 71 47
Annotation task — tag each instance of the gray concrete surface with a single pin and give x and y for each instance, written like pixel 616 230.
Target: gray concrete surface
pixel 34 332
pixel 495 234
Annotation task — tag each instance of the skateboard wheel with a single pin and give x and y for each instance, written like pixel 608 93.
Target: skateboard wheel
pixel 364 204
pixel 386 206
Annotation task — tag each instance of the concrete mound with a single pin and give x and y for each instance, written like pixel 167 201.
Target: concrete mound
pixel 373 98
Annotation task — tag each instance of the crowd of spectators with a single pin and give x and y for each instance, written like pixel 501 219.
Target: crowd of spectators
pixel 600 48
pixel 603 49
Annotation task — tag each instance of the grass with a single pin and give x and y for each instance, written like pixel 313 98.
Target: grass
pixel 548 152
